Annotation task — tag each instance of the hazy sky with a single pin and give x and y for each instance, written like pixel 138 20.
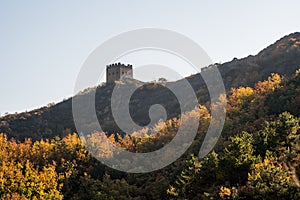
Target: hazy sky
pixel 44 43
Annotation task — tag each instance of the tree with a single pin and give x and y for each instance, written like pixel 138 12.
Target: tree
pixel 196 178
pixel 280 136
pixel 271 180
pixel 238 158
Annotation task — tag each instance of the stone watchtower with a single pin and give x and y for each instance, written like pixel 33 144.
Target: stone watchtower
pixel 115 72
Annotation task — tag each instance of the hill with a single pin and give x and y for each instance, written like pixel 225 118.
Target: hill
pixel 282 57
pixel 256 157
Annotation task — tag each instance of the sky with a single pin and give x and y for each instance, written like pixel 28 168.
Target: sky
pixel 43 44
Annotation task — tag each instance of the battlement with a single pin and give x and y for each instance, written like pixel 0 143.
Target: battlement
pixel 116 71
pixel 119 65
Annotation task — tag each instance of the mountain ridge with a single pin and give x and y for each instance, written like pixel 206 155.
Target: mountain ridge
pixel 282 57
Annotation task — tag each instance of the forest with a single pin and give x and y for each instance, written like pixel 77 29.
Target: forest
pixel 257 156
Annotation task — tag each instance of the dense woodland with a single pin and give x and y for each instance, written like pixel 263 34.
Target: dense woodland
pixel 257 156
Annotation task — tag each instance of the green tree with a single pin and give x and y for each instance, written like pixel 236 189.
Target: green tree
pixel 238 158
pixel 196 178
pixel 280 136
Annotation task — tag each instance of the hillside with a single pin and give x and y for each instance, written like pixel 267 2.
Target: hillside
pixel 256 157
pixel 282 57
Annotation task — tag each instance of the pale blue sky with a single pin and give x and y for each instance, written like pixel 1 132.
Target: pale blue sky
pixel 44 43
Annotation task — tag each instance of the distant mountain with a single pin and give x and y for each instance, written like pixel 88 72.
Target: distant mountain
pixel 282 57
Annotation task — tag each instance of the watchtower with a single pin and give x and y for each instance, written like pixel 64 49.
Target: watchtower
pixel 117 71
